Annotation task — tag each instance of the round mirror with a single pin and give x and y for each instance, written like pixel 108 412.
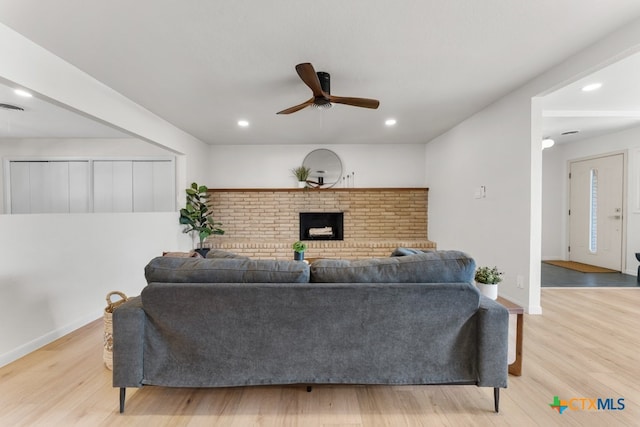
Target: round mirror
pixel 325 167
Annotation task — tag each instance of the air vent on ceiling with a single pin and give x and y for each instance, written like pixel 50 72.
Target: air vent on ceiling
pixel 570 132
pixel 11 107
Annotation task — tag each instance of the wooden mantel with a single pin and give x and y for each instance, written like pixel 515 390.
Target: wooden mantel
pixel 250 190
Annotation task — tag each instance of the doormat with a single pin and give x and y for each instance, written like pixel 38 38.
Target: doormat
pixel 578 266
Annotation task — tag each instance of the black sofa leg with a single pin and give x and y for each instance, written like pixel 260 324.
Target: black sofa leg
pixel 123 392
pixel 309 388
pixel 496 399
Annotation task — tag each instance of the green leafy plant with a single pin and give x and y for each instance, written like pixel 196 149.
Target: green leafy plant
pixel 299 246
pixel 196 214
pixel 301 173
pixel 488 275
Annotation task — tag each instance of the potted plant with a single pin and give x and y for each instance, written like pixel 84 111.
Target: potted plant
pixel 302 175
pixel 487 279
pixel 197 216
pixel 298 250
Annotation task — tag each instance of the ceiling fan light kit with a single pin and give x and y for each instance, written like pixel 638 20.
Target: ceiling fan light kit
pixel 320 85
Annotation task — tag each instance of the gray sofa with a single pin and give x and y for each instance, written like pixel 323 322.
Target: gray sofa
pixel 414 319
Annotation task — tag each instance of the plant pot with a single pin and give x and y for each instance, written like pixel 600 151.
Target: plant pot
pixel 203 251
pixel 298 256
pixel 488 290
pixel 302 184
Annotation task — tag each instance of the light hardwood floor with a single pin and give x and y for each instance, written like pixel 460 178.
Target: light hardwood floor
pixel 585 345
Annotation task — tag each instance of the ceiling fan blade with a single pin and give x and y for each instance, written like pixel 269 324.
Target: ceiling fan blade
pixel 297 107
pixel 356 102
pixel 310 78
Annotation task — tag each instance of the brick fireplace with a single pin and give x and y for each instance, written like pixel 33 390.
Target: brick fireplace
pixel 263 223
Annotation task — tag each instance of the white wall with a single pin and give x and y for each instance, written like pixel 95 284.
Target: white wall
pixel 485 150
pixel 255 166
pixel 555 191
pixel 55 270
pixel 499 147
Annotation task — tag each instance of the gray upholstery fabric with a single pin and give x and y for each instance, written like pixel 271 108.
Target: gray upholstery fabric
pixel 207 334
pixel 405 251
pixel 425 267
pixel 128 343
pixel 217 253
pixel 242 334
pixel 225 270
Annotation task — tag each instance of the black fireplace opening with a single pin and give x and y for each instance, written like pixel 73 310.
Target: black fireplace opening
pixel 321 225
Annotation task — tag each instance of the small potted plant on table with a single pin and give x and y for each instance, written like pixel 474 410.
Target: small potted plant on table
pixel 197 216
pixel 487 279
pixel 298 250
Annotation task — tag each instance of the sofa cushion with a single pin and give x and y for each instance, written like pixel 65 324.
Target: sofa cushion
pixel 427 267
pixel 217 253
pixel 225 270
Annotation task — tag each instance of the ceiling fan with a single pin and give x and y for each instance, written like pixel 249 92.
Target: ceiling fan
pixel 319 83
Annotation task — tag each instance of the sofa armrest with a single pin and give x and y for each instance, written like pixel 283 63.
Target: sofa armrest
pixel 493 343
pixel 128 344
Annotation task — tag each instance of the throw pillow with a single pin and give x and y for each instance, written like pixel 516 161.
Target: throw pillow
pixel 225 270
pixel 427 267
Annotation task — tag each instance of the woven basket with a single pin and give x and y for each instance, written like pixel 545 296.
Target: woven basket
pixel 107 354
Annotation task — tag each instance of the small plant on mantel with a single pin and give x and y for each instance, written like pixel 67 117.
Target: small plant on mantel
pixel 302 175
pixel 197 216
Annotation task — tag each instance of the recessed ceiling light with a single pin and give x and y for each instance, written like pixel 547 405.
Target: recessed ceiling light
pixel 591 87
pixel 22 93
pixel 243 123
pixel 547 143
pixel 390 122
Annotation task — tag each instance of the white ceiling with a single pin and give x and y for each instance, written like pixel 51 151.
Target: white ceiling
pixel 42 119
pixel 203 65
pixel 613 107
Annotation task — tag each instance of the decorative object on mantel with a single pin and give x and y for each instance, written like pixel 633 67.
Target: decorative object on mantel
pixel 197 216
pixel 298 250
pixel 302 174
pixel 350 180
pixel 487 279
pixel 325 168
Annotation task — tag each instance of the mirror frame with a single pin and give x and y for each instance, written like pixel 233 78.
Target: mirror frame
pixel 324 164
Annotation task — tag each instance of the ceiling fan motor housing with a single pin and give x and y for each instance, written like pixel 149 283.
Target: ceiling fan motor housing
pixel 325 81
pixel 325 84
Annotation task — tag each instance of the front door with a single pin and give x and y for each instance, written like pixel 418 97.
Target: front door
pixel 595 211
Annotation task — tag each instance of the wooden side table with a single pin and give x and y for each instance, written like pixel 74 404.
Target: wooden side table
pixel 514 309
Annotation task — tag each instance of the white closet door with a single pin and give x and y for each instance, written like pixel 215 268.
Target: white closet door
pixel 143 187
pixel 112 186
pixel 153 186
pixel 20 187
pixel 58 177
pixel 164 186
pixel 39 194
pixel 79 188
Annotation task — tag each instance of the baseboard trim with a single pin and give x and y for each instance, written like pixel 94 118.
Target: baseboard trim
pixel 33 345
